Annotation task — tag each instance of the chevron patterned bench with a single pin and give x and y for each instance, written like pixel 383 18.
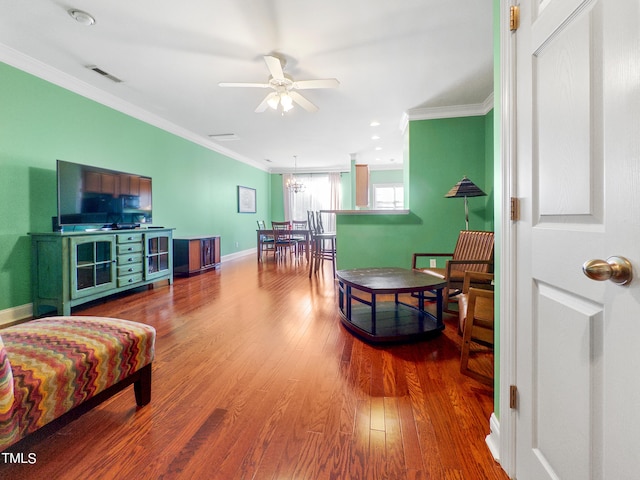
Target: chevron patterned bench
pixel 54 369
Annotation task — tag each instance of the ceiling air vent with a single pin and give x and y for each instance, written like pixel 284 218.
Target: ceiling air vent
pixel 104 74
pixel 224 137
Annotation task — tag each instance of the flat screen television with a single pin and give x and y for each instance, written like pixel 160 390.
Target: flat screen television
pixel 92 196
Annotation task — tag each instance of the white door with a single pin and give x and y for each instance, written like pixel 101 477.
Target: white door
pixel 578 178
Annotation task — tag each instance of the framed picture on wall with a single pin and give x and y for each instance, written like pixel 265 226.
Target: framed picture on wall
pixel 246 200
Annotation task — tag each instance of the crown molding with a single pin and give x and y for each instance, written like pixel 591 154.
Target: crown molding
pixel 309 171
pixel 334 169
pixel 455 111
pixel 52 75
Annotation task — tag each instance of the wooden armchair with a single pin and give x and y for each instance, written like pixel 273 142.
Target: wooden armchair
pixel 476 313
pixel 473 252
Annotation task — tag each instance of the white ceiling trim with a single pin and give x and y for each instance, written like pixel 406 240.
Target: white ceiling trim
pixel 339 169
pixel 436 113
pixel 34 67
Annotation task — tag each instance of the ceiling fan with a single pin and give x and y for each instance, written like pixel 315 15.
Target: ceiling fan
pixel 284 88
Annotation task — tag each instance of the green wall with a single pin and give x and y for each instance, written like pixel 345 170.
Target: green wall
pixel 194 188
pixel 277 198
pixel 441 152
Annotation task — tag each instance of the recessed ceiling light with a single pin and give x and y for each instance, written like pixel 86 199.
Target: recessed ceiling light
pixel 374 123
pixel 81 17
pixel 378 148
pixel 375 137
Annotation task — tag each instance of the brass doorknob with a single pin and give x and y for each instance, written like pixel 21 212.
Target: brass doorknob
pixel 617 269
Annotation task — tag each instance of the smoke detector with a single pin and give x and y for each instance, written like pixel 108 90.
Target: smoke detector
pixel 81 17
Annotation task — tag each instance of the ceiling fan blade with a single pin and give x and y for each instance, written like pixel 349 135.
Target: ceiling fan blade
pixel 275 67
pixel 320 83
pixel 265 103
pixel 243 84
pixel 303 102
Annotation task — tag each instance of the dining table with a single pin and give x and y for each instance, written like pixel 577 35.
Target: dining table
pixel 266 233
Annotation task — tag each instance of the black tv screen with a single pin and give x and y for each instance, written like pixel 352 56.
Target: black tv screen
pixel 97 196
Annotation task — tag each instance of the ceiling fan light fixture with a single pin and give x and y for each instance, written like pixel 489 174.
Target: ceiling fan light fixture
pixel 273 100
pixel 285 89
pixel 286 101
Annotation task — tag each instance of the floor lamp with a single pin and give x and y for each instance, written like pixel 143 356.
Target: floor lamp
pixel 465 188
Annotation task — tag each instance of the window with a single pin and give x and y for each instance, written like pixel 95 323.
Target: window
pixel 388 196
pixel 322 192
pixel 316 196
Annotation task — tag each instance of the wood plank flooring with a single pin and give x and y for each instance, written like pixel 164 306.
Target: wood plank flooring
pixel 255 378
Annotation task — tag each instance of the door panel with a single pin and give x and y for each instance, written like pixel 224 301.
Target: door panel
pixel 578 178
pixel 562 101
pixel 567 374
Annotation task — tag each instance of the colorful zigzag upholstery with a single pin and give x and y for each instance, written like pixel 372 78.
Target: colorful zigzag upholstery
pixel 51 365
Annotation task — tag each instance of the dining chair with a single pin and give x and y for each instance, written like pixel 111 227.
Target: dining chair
pixel 300 238
pixel 323 245
pixel 266 241
pixel 283 236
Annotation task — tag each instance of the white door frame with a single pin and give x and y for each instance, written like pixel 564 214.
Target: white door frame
pixel 507 240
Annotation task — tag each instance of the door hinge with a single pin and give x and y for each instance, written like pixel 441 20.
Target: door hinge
pixel 513 396
pixel 515 209
pixel 514 18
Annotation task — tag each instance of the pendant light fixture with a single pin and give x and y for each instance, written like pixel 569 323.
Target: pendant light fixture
pixel 293 184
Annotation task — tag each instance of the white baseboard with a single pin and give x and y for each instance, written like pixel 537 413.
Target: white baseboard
pixel 235 255
pixel 493 439
pixel 15 314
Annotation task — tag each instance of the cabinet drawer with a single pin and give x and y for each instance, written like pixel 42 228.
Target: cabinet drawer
pixel 129 280
pixel 130 269
pixel 131 258
pixel 123 249
pixel 129 238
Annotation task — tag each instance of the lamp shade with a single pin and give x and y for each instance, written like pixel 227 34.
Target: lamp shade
pixel 465 188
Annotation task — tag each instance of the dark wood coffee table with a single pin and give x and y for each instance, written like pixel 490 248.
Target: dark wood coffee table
pixel 389 320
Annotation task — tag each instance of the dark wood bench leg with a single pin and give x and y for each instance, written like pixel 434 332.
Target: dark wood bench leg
pixel 142 386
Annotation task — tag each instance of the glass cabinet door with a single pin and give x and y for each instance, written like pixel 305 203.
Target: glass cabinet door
pixel 207 248
pixel 158 254
pixel 92 265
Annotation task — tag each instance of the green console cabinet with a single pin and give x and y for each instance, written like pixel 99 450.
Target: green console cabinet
pixel 72 268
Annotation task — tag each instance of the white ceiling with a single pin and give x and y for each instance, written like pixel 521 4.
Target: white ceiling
pixel 393 58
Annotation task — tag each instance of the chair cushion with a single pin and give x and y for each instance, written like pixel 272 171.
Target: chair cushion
pixel 483 312
pixel 59 362
pixel 456 275
pixel 463 304
pixel 436 272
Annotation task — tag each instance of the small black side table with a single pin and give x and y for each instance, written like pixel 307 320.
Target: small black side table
pixel 384 321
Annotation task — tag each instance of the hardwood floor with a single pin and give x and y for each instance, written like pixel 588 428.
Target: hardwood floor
pixel 255 378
